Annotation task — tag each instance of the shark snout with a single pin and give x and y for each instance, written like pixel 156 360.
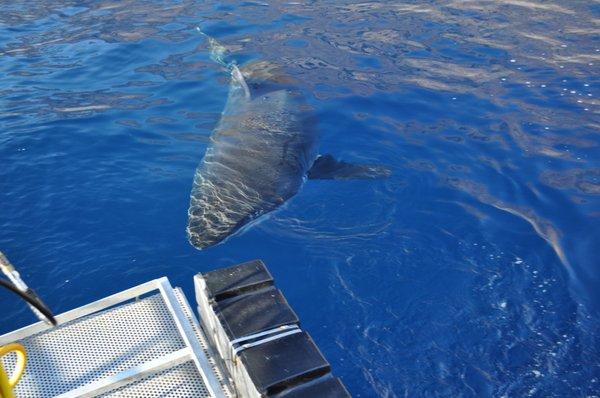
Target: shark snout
pixel 203 241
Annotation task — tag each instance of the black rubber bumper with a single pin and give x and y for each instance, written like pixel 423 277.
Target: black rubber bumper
pixel 280 359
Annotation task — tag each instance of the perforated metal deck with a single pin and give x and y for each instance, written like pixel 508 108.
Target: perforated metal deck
pixel 143 342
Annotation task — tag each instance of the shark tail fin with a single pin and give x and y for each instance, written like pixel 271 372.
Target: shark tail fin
pixel 326 167
pixel 219 53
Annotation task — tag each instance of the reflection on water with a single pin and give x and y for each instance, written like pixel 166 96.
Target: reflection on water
pixel 471 272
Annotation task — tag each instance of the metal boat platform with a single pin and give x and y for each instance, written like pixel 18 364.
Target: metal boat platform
pixel 141 342
pixel 147 342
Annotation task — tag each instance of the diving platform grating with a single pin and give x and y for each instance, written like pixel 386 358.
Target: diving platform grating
pixel 141 342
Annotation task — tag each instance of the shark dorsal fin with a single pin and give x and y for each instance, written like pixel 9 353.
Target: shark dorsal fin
pixel 238 78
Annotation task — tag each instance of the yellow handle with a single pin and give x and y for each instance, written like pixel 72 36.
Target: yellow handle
pixel 8 383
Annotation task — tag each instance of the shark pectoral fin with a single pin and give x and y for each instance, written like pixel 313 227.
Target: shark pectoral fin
pixel 326 167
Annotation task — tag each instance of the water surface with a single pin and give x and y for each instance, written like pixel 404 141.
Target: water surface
pixel 472 271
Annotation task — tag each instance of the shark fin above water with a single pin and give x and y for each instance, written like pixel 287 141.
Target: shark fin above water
pixel 326 167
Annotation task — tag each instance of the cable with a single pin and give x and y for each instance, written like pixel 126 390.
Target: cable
pixel 29 299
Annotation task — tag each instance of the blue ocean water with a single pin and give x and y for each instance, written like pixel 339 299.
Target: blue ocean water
pixel 472 271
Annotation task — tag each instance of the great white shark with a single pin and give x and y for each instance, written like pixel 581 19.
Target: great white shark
pixel 262 150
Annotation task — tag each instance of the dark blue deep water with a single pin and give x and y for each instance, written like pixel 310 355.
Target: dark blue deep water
pixel 472 271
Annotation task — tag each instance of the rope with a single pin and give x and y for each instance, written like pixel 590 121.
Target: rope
pixel 8 383
pixel 27 296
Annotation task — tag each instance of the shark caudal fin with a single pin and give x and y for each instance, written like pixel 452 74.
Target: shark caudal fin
pixel 326 167
pixel 219 54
